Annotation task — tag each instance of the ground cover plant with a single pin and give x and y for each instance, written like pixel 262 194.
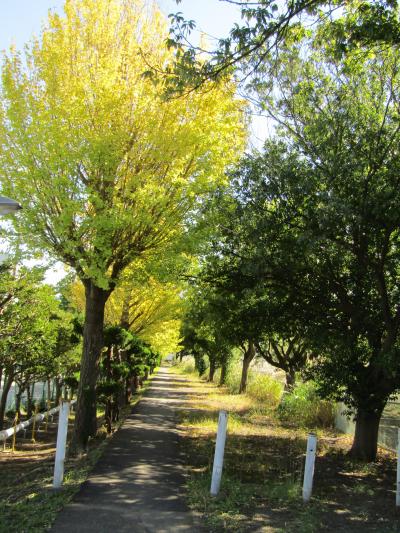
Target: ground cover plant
pixel 263 468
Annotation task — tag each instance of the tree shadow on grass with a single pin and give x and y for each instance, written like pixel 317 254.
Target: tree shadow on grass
pixel 261 488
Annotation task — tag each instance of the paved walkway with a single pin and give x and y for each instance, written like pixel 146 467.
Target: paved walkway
pixel 138 484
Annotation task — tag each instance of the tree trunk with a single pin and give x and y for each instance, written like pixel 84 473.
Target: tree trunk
pixel 365 441
pixel 58 390
pixel 8 379
pixel 18 401
pixel 247 359
pixel 212 370
pixel 85 416
pixel 224 372
pixel 29 404
pixel 136 383
pixel 128 390
pixel 108 415
pixel 290 380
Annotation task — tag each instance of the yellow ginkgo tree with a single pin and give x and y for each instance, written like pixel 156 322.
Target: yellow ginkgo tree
pixel 105 167
pixel 149 308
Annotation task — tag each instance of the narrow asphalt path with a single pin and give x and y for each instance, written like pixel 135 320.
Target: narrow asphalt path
pixel 138 483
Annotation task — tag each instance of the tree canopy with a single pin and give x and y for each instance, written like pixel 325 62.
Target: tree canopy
pixel 317 221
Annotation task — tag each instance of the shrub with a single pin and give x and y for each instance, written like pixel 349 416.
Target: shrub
pixel 303 407
pixel 10 414
pixel 233 378
pixel 186 366
pixel 265 389
pixel 200 365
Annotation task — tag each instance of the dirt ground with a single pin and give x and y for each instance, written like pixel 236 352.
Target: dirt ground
pixel 27 502
pixel 29 455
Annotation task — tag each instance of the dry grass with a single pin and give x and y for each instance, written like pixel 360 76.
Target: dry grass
pixel 263 468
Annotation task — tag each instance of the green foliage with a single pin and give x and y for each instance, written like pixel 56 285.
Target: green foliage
pixel 261 387
pixel 272 26
pixel 265 389
pixel 309 236
pixel 106 390
pixel 200 365
pixel 234 377
pixel 38 341
pixel 125 358
pixel 203 333
pixel 303 407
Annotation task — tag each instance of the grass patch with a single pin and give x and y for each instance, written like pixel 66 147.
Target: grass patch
pixel 303 407
pixel 31 505
pixel 263 471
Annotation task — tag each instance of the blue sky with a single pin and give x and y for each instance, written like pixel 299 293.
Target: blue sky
pixel 19 19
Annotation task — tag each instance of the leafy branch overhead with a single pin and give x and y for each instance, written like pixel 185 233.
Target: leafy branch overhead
pixel 268 26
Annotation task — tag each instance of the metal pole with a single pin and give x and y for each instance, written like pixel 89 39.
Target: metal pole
pixel 309 466
pixel 219 453
pixel 61 445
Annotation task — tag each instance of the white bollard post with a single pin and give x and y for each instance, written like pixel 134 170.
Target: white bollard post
pixel 61 445
pixel 219 453
pixel 309 466
pixel 398 470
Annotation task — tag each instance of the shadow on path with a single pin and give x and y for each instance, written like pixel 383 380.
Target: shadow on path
pixel 138 484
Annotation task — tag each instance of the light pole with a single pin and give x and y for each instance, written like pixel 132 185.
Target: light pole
pixel 8 206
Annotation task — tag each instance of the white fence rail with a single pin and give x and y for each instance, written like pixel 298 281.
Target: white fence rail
pixel 7 433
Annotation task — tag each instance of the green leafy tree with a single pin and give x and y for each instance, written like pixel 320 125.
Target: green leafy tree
pixel 29 326
pixel 248 311
pixel 203 335
pixel 326 223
